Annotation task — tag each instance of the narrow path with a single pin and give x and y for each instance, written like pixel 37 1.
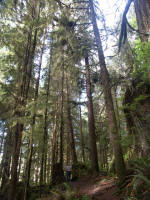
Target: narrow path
pixel 98 188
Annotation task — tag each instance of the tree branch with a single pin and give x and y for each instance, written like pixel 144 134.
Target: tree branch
pixel 123 33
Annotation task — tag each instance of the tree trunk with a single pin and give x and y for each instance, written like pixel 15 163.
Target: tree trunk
pixel 70 128
pixel 91 123
pixel 114 136
pixel 81 133
pixel 2 140
pixel 54 175
pixel 115 101
pixel 45 134
pixel 20 108
pixel 48 163
pixel 62 124
pixel 6 160
pixel 15 158
pixel 142 10
pixel 30 150
pixel 20 163
pixel 68 149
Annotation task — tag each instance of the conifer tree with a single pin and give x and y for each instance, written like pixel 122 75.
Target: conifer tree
pixel 114 136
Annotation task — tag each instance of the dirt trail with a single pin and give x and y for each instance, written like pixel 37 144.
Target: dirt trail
pixel 98 188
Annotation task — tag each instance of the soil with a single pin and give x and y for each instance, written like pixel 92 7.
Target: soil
pixel 98 188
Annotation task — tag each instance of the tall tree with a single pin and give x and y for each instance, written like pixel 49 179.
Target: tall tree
pixel 70 126
pixel 114 135
pixel 6 159
pixel 91 122
pixel 45 134
pixel 81 132
pixel 30 149
pixel 26 73
pixel 62 122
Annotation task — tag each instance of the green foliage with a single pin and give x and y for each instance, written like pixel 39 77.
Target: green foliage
pixel 142 59
pixel 130 198
pixel 137 101
pixel 140 180
pixel 85 197
pixel 67 194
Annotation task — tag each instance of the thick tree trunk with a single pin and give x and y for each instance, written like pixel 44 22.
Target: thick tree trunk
pixel 70 128
pixel 44 151
pixel 43 169
pixel 61 152
pixel 57 175
pixel 68 149
pixel 19 113
pixel 15 158
pixel 54 144
pixel 1 142
pixel 20 107
pixel 54 175
pixel 6 160
pixel 115 101
pixel 20 163
pixel 30 150
pixel 45 134
pixel 62 119
pixel 48 164
pixel 91 121
pixel 37 166
pixel 114 136
pixel 81 133
pixel 142 10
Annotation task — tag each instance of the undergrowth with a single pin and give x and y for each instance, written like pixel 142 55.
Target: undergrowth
pixel 138 183
pixel 67 194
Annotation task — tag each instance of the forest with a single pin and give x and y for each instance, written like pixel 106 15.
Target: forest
pixel 75 90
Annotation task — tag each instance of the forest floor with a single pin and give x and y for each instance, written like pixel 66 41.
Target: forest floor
pixel 98 188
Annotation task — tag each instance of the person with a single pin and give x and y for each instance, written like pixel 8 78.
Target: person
pixel 68 172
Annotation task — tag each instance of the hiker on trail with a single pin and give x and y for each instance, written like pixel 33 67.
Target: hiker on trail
pixel 68 172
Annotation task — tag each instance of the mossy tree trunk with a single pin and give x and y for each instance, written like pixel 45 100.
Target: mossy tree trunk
pixel 114 135
pixel 81 133
pixel 91 121
pixel 30 149
pixel 70 127
pixel 6 159
pixel 142 10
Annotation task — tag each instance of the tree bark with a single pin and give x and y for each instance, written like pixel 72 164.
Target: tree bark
pixel 114 136
pixel 30 150
pixel 54 147
pixel 45 134
pixel 142 10
pixel 81 133
pixel 2 140
pixel 62 121
pixel 20 106
pixel 70 127
pixel 91 121
pixel 6 160
pixel 15 158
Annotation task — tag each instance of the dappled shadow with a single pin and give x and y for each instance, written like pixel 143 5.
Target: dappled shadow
pixel 96 188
